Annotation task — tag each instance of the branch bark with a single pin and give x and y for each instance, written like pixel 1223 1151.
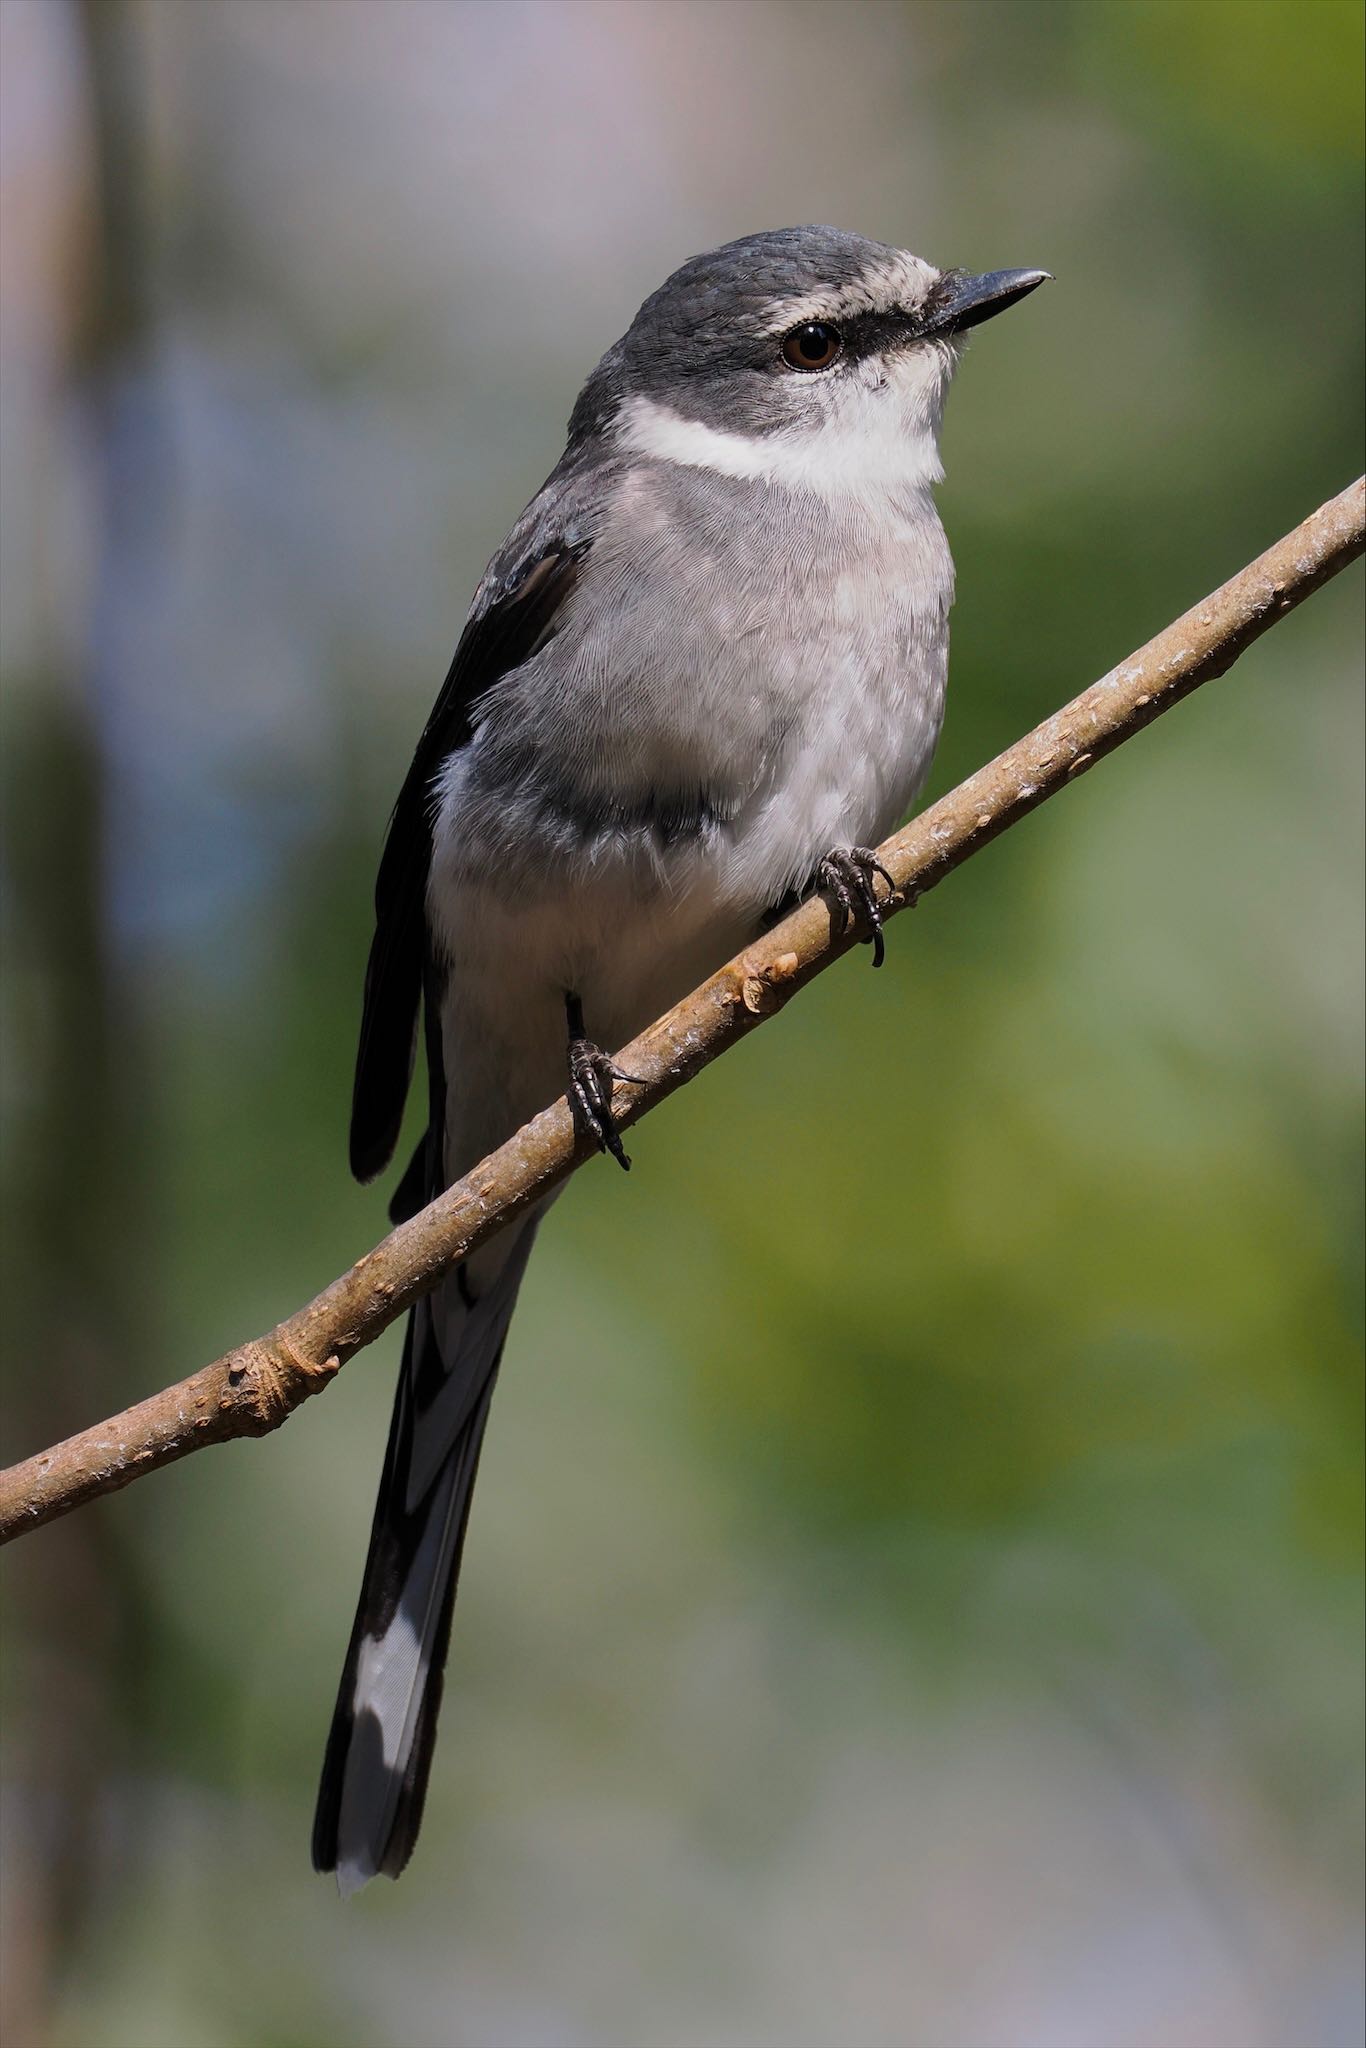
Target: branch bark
pixel 252 1389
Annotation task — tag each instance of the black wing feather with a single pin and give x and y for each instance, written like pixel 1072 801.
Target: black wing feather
pixel 513 616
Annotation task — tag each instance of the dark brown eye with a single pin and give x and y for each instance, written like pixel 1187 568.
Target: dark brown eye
pixel 812 346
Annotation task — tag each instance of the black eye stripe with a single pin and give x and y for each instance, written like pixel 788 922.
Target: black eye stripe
pixel 861 334
pixel 868 332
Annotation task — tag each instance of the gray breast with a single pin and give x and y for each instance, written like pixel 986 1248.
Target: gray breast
pixel 710 624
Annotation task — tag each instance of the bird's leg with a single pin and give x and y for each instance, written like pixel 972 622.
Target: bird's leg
pixel 847 874
pixel 591 1075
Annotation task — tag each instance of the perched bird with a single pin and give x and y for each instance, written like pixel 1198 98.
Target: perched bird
pixel 703 674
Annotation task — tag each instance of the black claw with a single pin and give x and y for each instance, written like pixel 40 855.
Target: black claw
pixel 591 1075
pixel 847 873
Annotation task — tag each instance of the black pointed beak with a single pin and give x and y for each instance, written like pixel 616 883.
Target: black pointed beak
pixel 960 301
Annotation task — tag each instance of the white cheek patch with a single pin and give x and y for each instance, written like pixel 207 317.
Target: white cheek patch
pixel 657 430
pixel 879 435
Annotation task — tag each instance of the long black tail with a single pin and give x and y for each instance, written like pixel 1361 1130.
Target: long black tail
pixel 379 1751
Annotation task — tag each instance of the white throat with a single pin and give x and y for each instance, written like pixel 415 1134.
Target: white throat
pixel 877 438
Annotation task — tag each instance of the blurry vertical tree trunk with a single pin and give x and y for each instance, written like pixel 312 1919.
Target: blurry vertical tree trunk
pixel 78 1185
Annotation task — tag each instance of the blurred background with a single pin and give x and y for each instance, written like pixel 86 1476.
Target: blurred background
pixel 914 1592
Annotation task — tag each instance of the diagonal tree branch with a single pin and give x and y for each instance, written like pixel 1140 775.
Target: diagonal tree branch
pixel 252 1389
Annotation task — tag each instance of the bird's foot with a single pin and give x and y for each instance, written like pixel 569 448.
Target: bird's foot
pixel 591 1074
pixel 847 874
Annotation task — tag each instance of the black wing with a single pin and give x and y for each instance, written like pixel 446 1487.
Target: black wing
pixel 513 615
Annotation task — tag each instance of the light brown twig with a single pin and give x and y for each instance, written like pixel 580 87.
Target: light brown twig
pixel 251 1390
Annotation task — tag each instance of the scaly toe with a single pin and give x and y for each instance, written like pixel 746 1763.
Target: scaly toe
pixel 847 873
pixel 591 1075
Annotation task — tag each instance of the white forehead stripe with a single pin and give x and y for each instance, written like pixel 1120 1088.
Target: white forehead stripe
pixel 858 455
pixel 899 279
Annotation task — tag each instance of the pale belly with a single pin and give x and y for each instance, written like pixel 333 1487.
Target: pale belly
pixel 630 925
